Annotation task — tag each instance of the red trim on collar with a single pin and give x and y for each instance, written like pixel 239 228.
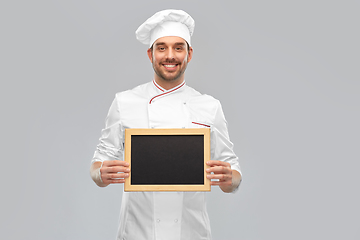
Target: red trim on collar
pixel 167 92
pixel 156 85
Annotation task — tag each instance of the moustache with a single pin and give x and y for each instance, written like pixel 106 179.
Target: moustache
pixel 170 60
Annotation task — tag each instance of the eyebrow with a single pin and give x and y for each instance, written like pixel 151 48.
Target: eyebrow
pixel 163 43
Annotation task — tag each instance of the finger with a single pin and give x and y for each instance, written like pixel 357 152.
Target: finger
pixel 115 176
pixel 118 181
pixel 111 181
pixel 217 163
pixel 220 183
pixel 111 163
pixel 114 169
pixel 220 177
pixel 213 163
pixel 219 170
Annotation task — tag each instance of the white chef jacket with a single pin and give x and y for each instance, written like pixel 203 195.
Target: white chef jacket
pixel 164 215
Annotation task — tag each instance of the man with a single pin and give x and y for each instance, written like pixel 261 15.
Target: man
pixel 166 102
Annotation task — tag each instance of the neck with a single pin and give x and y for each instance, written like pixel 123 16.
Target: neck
pixel 168 84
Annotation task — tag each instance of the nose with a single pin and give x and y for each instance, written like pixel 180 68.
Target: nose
pixel 170 54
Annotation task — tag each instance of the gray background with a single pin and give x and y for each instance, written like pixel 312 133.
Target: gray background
pixel 286 72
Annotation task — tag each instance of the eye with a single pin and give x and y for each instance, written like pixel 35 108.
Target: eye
pixel 161 48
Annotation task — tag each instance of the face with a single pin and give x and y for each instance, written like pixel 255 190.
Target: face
pixel 169 57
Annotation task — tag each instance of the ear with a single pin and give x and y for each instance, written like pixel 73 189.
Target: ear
pixel 149 53
pixel 190 54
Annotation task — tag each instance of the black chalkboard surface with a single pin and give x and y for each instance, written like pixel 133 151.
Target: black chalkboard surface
pixel 167 159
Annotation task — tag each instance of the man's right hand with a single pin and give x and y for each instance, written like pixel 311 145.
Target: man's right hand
pixel 110 172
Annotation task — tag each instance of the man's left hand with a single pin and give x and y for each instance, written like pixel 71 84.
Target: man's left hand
pixel 223 176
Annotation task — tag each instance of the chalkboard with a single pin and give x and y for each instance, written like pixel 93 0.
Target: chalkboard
pixel 167 159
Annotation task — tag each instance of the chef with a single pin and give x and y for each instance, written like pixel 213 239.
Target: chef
pixel 165 102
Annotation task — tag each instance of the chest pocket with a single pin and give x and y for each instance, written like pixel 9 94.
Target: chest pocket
pixel 204 124
pixel 200 124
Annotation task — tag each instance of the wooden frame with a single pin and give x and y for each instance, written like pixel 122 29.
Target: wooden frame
pixel 167 159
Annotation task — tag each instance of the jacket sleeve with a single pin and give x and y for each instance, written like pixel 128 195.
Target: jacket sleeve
pixel 223 147
pixel 111 144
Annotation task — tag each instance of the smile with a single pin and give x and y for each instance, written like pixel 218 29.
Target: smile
pixel 170 66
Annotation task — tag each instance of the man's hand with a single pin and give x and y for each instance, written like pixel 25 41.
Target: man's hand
pixel 109 172
pixel 226 178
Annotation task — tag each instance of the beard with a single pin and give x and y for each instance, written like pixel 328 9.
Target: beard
pixel 165 75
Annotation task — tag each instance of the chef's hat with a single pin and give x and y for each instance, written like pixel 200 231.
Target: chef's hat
pixel 166 23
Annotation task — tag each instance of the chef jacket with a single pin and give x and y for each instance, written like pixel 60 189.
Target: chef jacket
pixel 164 215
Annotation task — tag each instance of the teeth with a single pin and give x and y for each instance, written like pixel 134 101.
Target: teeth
pixel 170 66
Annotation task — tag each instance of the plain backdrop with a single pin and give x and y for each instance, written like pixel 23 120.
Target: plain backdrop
pixel 286 73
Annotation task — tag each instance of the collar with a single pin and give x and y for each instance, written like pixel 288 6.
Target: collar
pixel 162 92
pixel 158 86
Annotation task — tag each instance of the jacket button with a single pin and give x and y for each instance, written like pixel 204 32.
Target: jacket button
pixel 158 220
pixel 176 220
